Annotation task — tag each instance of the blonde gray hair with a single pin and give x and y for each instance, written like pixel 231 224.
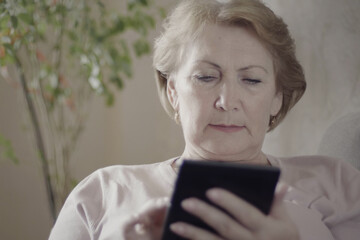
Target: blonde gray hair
pixel 187 21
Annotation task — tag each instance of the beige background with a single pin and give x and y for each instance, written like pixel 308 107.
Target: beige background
pixel 137 130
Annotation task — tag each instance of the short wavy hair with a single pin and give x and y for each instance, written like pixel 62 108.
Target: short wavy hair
pixel 186 23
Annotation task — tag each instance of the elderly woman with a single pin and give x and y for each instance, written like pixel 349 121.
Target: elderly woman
pixel 227 73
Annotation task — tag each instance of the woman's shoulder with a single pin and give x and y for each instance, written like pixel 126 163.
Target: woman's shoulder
pixel 119 175
pixel 304 159
pixel 314 163
pixel 328 185
pixel 114 172
pixel 330 172
pixel 109 188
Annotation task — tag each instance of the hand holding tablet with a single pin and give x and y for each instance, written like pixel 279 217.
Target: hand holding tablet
pixel 253 183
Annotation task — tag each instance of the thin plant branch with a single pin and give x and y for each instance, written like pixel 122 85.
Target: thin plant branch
pixel 38 137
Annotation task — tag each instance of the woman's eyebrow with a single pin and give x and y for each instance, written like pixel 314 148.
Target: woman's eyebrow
pixel 208 62
pixel 253 66
pixel 240 69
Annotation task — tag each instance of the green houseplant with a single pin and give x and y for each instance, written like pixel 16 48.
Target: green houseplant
pixel 59 53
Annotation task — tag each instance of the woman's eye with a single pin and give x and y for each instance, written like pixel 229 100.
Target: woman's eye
pixel 205 78
pixel 251 81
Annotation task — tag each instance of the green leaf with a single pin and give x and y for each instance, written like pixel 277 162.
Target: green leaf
pixel 27 18
pixel 151 21
pixel 141 47
pixel 61 9
pixel 114 53
pixel 142 22
pixel 72 35
pixel 4 20
pixel 162 12
pixel 125 65
pixel 74 49
pixel 117 81
pixel 101 5
pixel 8 151
pixel 9 49
pixel 73 182
pixel 120 25
pixel 140 2
pixel 41 28
pixel 110 99
pixel 6 60
pixel 124 47
pixel 14 21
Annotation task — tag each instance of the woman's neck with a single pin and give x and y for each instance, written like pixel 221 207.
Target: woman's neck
pixel 261 159
pixel 257 157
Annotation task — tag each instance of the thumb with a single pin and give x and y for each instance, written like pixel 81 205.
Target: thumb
pixel 147 223
pixel 153 212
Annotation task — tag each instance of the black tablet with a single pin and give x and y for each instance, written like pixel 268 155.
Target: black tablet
pixel 253 183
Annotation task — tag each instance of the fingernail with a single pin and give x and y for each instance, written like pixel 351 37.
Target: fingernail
pixel 282 187
pixel 177 228
pixel 162 201
pixel 213 194
pixel 140 228
pixel 188 204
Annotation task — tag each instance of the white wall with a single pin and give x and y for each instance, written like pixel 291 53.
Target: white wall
pixel 327 34
pixel 137 130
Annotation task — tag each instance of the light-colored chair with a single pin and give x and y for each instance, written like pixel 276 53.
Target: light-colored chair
pixel 342 139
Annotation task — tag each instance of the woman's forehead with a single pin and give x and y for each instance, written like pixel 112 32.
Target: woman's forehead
pixel 224 45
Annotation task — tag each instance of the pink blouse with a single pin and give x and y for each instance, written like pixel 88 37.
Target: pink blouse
pixel 323 200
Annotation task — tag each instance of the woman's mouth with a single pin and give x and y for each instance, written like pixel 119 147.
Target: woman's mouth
pixel 227 128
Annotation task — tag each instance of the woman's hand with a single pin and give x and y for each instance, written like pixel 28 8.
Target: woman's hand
pixel 248 222
pixel 148 223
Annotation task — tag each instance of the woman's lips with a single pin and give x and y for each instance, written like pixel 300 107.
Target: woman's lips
pixel 226 128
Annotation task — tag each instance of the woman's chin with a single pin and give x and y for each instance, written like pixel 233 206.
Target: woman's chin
pixel 220 151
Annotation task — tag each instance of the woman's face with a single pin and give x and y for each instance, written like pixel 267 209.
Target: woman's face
pixel 225 93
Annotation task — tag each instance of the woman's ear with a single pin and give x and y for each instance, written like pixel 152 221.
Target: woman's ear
pixel 277 103
pixel 172 93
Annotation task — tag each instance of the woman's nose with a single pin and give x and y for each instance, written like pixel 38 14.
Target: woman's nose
pixel 229 98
